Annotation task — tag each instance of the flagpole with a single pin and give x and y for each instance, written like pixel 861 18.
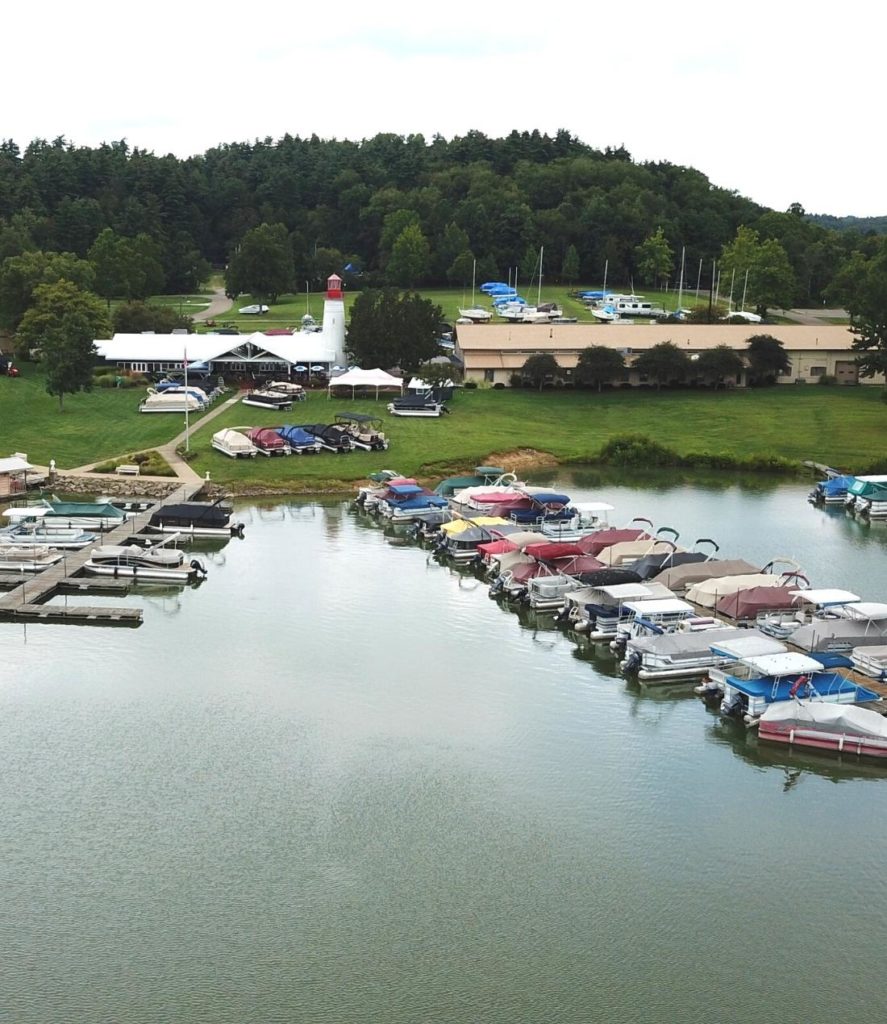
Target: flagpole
pixel 185 362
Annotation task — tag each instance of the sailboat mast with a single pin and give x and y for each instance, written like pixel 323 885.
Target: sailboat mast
pixel 744 289
pixel 539 292
pixel 681 284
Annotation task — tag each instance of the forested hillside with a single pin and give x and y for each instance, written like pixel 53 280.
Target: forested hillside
pixel 390 202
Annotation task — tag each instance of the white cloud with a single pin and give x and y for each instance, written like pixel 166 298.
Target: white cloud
pixel 774 103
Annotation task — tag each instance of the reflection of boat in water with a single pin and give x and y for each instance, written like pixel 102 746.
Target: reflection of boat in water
pixel 828 727
pixel 790 763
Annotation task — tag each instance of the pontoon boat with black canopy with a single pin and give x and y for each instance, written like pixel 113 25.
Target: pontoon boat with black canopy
pixel 364 430
pixel 331 436
pixel 195 518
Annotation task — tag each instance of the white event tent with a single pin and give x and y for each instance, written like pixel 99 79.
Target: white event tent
pixel 357 378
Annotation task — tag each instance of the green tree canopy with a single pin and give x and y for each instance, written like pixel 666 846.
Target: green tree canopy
pixel 599 365
pixel 759 271
pixel 664 363
pixel 541 369
pixel 767 358
pixel 655 258
pixel 262 264
pixel 570 266
pixel 717 364
pixel 126 268
pixel 63 323
pixel 390 329
pixel 410 258
pixel 138 317
pixel 461 269
pixel 868 317
pixel 21 275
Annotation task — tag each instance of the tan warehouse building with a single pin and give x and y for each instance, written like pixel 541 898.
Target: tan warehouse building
pixel 491 353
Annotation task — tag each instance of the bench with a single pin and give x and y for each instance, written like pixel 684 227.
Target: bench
pixel 127 470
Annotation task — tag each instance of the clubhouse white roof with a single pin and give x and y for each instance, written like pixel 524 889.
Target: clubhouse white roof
pixel 303 347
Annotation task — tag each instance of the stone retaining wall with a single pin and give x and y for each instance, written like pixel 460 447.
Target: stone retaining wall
pixel 118 487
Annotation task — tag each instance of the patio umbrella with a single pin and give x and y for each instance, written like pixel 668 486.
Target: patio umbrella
pixel 317 369
pixel 300 368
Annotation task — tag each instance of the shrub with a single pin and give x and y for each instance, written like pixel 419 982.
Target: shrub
pixel 636 450
pixel 827 380
pixel 499 386
pixel 470 385
pixel 516 381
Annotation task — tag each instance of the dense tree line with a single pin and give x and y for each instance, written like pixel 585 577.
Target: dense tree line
pixel 395 210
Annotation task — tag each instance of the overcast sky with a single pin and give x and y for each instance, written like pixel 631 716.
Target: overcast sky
pixel 781 102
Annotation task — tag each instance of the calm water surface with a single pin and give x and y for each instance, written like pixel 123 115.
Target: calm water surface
pixel 338 783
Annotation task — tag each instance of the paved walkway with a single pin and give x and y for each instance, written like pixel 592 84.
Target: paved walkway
pixel 181 468
pixel 812 317
pixel 219 304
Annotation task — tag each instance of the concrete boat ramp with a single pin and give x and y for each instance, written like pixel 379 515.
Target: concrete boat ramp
pixel 26 601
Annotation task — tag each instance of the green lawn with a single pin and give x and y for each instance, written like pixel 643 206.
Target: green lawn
pixel 99 425
pixel 841 426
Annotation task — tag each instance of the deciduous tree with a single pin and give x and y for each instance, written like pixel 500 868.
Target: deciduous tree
pixel 655 258
pixel 541 369
pixel 599 365
pixel 716 364
pixel 262 264
pixel 388 329
pixel 138 317
pixel 767 358
pixel 570 266
pixel 63 323
pixel 760 271
pixel 21 275
pixel 868 317
pixel 663 363
pixel 410 257
pixel 126 268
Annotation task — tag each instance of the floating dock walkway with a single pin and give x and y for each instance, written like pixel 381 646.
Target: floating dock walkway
pixel 25 602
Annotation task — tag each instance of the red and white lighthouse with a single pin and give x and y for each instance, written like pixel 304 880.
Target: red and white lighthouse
pixel 334 318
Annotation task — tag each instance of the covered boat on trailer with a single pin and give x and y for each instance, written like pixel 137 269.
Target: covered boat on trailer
pixel 234 443
pixel 300 442
pixel 267 441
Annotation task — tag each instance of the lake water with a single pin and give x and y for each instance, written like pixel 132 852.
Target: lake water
pixel 338 783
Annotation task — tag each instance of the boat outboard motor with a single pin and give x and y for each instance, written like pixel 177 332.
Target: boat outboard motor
pixel 631 664
pixel 732 707
pixel 237 530
pixel 198 567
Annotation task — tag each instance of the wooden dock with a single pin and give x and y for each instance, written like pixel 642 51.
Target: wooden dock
pixel 26 600
pixel 82 615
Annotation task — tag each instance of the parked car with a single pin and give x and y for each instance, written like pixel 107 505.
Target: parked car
pixel 253 310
